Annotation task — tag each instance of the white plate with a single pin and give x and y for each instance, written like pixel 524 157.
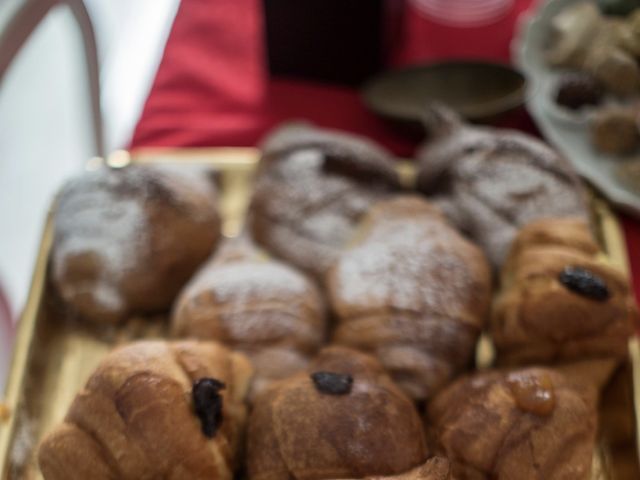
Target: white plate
pixel 570 137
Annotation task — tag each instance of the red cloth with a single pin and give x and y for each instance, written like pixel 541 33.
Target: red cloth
pixel 423 38
pixel 212 87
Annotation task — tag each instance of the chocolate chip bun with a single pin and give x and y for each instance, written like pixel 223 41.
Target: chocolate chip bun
pixel 526 424
pixel 559 301
pixel 313 185
pixel 343 418
pixel 154 410
pixel 491 182
pixel 127 240
pixel 413 292
pixel 260 306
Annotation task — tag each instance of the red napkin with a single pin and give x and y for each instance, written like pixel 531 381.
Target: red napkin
pixel 424 37
pixel 211 84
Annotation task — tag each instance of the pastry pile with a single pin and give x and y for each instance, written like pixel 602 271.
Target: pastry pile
pixel 336 337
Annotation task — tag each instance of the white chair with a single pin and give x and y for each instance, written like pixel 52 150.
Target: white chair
pixel 52 90
pixel 19 19
pixel 50 124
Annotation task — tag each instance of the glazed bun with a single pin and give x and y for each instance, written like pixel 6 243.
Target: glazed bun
pixel 527 424
pixel 559 301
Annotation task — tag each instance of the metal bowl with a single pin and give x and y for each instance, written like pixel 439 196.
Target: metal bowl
pixel 477 90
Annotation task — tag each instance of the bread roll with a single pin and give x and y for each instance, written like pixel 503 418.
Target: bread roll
pixel 154 409
pixel 343 418
pixel 126 240
pixel 558 300
pixel 249 302
pixel 523 424
pixel 413 292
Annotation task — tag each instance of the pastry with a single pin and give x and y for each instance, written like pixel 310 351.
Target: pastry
pixel 558 301
pixel 526 424
pixel 490 182
pixel 578 89
pixel 343 418
pixel 614 130
pixel 313 185
pixel 249 302
pixel 413 292
pixel 616 69
pixel 154 410
pixel 572 34
pixel 126 240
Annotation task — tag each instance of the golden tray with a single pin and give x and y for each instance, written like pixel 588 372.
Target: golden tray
pixel 54 356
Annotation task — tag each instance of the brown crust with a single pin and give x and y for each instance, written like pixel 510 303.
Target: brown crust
pixel 262 307
pixel 297 432
pixel 537 319
pixel 134 419
pixel 106 264
pixel 487 435
pixel 413 292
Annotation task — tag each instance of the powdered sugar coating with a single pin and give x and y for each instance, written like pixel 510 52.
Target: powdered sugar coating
pixel 412 291
pixel 93 218
pixel 313 187
pixel 495 181
pixel 257 305
pixel 407 266
pixel 105 258
pixel 237 283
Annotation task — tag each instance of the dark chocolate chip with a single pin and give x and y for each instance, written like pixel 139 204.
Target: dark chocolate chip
pixel 207 403
pixel 584 283
pixel 577 90
pixel 332 383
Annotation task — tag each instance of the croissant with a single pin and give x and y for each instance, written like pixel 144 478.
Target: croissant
pixel 260 306
pixel 491 182
pixel 154 410
pixel 413 292
pixel 526 424
pixel 126 240
pixel 558 300
pixel 313 185
pixel 344 418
